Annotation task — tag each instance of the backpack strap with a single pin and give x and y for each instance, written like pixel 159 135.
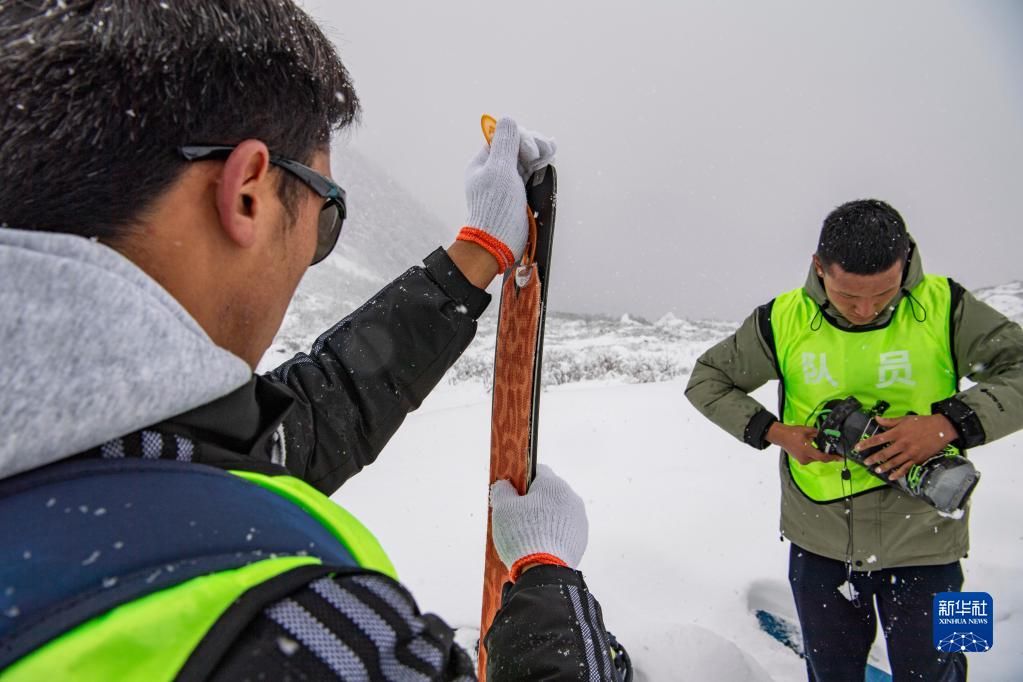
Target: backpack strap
pixel 82 537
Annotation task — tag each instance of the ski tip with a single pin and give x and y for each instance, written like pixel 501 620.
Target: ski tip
pixel 489 125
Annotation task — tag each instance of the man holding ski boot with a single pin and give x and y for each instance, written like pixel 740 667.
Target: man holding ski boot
pixel 868 324
pixel 164 184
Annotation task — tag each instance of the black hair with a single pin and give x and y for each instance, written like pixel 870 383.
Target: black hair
pixel 96 96
pixel 864 237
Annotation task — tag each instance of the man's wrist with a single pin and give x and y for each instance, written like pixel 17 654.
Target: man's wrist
pixel 774 432
pixel 477 264
pixel 500 252
pixel 946 429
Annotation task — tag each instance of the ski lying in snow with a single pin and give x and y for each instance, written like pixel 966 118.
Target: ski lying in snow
pixel 775 614
pixel 518 360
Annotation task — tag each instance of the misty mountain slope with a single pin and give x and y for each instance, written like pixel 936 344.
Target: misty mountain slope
pixel 591 348
pixel 627 350
pixel 386 232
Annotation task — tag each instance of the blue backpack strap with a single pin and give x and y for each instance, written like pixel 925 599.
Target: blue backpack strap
pixel 82 537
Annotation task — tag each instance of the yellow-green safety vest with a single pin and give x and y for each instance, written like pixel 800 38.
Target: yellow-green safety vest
pixel 908 363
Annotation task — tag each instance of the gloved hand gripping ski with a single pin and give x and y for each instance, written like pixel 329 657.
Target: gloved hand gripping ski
pixel 944 481
pixel 549 522
pixel 495 190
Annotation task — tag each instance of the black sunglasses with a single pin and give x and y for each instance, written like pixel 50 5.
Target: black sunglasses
pixel 334 210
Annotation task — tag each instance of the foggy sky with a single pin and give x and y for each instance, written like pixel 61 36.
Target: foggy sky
pixel 701 144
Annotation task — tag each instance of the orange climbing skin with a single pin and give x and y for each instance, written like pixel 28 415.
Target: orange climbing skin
pixel 514 358
pixel 529 255
pixel 518 325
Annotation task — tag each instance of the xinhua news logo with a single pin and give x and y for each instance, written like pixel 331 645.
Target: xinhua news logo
pixel 964 622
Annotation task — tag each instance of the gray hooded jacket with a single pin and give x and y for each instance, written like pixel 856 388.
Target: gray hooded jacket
pixel 92 348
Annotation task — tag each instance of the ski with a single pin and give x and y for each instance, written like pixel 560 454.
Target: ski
pixel 775 614
pixel 518 359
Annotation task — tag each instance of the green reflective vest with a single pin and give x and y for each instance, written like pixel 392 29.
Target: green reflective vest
pixel 153 636
pixel 908 363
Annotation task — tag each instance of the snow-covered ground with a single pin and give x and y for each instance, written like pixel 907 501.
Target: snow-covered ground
pixel 683 524
pixel 684 519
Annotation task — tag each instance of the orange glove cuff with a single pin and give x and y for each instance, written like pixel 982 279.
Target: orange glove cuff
pixel 498 249
pixel 538 558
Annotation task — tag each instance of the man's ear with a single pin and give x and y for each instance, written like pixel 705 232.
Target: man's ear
pixel 818 266
pixel 241 189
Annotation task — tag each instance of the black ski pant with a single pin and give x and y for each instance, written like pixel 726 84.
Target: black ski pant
pixel 838 631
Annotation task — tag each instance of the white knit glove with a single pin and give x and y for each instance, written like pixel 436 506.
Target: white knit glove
pixel 548 522
pixel 536 151
pixel 495 190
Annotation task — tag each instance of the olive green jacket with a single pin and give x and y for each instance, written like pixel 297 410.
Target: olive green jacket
pixel 884 528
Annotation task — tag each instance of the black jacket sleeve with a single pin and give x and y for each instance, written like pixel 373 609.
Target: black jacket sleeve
pixel 549 628
pixel 365 374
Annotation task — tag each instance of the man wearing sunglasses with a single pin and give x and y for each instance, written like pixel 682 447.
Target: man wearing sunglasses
pixel 164 184
pixel 332 214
